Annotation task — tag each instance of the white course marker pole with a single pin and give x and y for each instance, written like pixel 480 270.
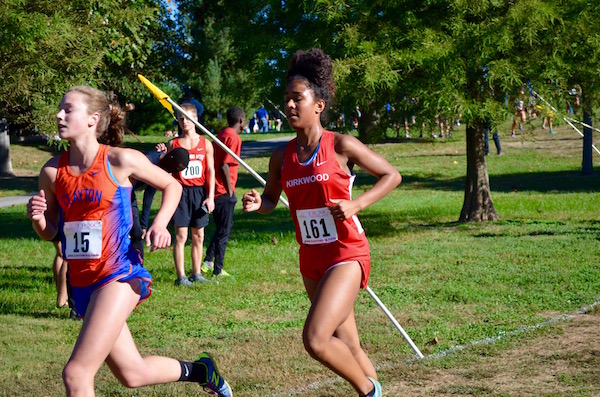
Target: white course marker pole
pixel 284 201
pixel 567 120
pixel 396 324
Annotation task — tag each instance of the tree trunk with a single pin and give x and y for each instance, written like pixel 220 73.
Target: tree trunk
pixel 5 162
pixel 478 205
pixel 368 124
pixel 587 163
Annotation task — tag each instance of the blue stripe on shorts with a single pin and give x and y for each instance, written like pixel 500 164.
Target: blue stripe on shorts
pixel 83 295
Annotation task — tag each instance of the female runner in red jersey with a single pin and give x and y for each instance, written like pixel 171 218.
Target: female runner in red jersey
pixel 85 197
pixel 315 172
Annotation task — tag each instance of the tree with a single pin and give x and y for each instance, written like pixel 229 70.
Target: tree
pixel 574 64
pixel 216 52
pixel 49 46
pixel 5 164
pixel 456 56
pixel 237 52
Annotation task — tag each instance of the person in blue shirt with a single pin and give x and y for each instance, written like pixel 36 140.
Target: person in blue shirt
pixel 263 119
pixel 188 98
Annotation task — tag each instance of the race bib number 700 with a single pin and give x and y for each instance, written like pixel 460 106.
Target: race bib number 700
pixel 83 239
pixel 317 226
pixel 193 170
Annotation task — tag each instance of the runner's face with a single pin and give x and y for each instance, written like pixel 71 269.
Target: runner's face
pixel 186 124
pixel 73 118
pixel 301 107
pixel 242 123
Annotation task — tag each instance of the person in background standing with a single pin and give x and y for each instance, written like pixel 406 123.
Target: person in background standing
pixel 191 96
pixel 486 129
pixel 177 160
pixel 226 175
pixel 520 115
pixel 197 199
pixel 263 119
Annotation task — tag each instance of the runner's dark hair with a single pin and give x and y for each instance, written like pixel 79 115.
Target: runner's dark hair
pixel 315 67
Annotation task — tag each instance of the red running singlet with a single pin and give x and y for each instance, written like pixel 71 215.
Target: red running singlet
pixel 324 241
pixel 195 173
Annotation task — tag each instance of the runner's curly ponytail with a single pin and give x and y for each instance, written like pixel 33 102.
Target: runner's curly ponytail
pixel 315 67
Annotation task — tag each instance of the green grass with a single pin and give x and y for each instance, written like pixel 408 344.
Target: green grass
pixel 456 282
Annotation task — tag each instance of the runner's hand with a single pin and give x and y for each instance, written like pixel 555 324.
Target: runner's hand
pixel 158 238
pixel 342 209
pixel 36 206
pixel 251 201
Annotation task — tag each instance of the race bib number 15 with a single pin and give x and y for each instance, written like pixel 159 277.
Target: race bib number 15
pixel 83 239
pixel 317 226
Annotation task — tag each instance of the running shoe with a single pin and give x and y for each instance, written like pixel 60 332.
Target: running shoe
pixel 74 315
pixel 198 278
pixel 207 268
pixel 223 274
pixel 378 392
pixel 183 282
pixel 214 383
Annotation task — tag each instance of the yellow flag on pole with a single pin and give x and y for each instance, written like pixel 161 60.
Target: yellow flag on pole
pixel 158 93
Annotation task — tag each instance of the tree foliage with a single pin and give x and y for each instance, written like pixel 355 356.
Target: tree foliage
pixel 228 51
pixel 456 57
pixel 49 46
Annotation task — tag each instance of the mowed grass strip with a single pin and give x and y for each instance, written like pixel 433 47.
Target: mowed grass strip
pixel 454 282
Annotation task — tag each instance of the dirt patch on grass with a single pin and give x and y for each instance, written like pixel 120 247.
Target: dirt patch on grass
pixel 566 362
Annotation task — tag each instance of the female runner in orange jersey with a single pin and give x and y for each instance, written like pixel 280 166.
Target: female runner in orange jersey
pixel 85 196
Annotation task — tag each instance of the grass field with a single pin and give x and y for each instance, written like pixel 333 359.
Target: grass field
pixel 450 285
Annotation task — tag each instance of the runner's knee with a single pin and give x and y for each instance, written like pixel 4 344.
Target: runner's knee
pixel 315 343
pixel 76 377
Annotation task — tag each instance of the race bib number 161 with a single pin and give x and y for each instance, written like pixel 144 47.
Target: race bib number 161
pixel 317 226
